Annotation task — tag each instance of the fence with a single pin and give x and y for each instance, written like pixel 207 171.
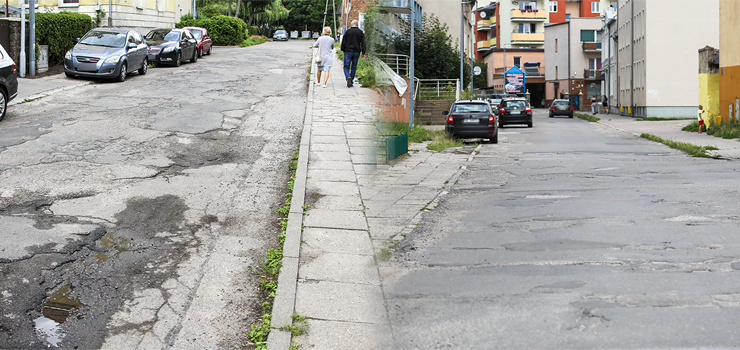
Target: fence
pixel 437 89
pixel 390 147
pixel 399 63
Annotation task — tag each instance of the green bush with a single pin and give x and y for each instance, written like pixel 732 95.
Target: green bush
pixel 224 30
pixel 59 31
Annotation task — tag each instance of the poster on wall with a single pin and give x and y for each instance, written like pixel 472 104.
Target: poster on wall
pixel 515 81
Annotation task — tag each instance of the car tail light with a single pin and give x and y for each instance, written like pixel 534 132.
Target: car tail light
pixel 491 119
pixel 502 111
pixel 14 68
pixel 553 108
pixel 528 110
pixel 571 108
pixel 450 120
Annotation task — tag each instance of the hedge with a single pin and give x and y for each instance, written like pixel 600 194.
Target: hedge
pixel 59 31
pixel 224 30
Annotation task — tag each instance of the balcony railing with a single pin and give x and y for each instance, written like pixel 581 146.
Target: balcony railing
pixel 493 21
pixel 484 24
pixel 525 15
pixel 483 45
pixel 591 47
pixel 591 73
pixel 531 71
pixel 528 37
pixel 399 63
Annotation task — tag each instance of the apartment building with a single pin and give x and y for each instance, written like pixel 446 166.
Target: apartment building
pixel 137 14
pixel 729 60
pixel 573 58
pixel 563 10
pixel 657 54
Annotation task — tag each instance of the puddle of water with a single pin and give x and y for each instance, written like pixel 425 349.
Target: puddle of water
pixel 55 310
pixel 115 244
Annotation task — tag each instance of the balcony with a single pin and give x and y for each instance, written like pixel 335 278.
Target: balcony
pixel 519 15
pixel 591 47
pixel 483 45
pixel 493 42
pixel 483 24
pixel 493 21
pixel 531 72
pixel 527 38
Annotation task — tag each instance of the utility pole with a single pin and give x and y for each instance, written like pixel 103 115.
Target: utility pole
pixel 411 66
pixel 23 40
pixel 110 13
pixel 462 44
pixel 32 37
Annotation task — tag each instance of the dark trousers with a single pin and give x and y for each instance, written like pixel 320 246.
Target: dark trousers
pixel 350 64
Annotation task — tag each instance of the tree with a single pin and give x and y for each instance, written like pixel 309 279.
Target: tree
pixel 309 14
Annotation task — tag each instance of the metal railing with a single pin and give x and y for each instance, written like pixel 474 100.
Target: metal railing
pixel 437 89
pixel 399 63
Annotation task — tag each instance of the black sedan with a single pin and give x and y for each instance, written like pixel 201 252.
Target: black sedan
pixel 107 53
pixel 561 107
pixel 472 119
pixel 170 46
pixel 514 111
pixel 8 81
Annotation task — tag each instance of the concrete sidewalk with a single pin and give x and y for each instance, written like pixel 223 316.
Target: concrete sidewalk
pixel 31 89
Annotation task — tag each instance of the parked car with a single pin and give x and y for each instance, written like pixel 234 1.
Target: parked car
pixel 495 102
pixel 280 34
pixel 514 111
pixel 205 43
pixel 472 119
pixel 170 46
pixel 561 107
pixel 107 53
pixel 8 81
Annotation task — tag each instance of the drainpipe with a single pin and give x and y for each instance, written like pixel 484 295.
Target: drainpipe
pixel 22 64
pixel 632 60
pixel 570 81
pixel 32 37
pixel 411 66
pixel 462 43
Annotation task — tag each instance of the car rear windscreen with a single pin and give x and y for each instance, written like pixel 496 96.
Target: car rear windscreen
pixel 518 104
pixel 470 108
pixel 560 103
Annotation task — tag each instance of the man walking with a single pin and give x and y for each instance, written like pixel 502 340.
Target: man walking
pixel 353 45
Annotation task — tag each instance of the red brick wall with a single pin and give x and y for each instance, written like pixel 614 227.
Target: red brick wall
pixel 357 7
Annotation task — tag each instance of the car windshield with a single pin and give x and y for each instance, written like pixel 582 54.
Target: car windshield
pixel 281 32
pixel 197 33
pixel 470 108
pixel 163 35
pixel 560 103
pixel 109 39
pixel 516 103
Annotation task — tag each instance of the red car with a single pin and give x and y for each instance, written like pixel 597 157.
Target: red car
pixel 204 41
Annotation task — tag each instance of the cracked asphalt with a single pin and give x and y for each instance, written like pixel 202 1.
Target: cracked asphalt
pixel 130 213
pixel 573 235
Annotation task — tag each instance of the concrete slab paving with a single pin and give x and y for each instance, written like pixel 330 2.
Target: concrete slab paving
pixel 333 335
pixel 340 267
pixel 353 202
pixel 341 219
pixel 336 301
pixel 331 175
pixel 337 241
pixel 332 188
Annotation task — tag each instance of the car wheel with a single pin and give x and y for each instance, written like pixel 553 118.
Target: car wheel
pixel 500 125
pixel 200 52
pixel 209 50
pixel 178 59
pixel 195 56
pixel 122 76
pixel 3 104
pixel 551 115
pixel 570 116
pixel 144 67
pixel 494 139
pixel 529 125
pixel 69 75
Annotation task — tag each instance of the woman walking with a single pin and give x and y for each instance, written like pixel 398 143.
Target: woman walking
pixel 326 55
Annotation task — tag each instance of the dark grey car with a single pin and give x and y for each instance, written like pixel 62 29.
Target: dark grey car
pixel 515 111
pixel 107 53
pixel 561 107
pixel 472 119
pixel 8 81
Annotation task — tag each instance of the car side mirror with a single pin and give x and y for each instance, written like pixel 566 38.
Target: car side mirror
pixel 132 46
pixel 77 40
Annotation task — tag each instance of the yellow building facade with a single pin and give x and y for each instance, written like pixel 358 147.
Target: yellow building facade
pixel 729 61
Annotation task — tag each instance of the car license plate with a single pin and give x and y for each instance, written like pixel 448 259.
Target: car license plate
pixel 516 112
pixel 470 121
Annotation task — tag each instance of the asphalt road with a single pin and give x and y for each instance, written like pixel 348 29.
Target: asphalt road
pixel 131 212
pixel 573 235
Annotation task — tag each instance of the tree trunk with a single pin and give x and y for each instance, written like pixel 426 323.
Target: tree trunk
pixel 229 8
pixel 238 7
pixel 249 21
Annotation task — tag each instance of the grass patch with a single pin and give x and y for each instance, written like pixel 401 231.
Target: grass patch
pixel 253 40
pixel 269 268
pixel 693 150
pixel 440 140
pixel 693 127
pixel 725 131
pixel 655 119
pixel 299 326
pixel 340 55
pixel 587 117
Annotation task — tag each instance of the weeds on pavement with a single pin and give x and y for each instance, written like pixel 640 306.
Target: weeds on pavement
pixel 253 40
pixel 587 117
pixel 655 119
pixel 269 268
pixel 440 140
pixel 299 326
pixel 693 150
pixel 725 131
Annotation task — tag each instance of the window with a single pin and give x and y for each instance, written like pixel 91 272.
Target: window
pixel 553 6
pixel 588 36
pixel 556 45
pixel 527 5
pixel 594 65
pixel 527 27
pixel 518 62
pixel 556 73
pixel 67 3
pixel 567 16
pixel 595 7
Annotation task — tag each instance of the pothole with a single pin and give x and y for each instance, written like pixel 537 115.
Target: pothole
pixel 55 310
